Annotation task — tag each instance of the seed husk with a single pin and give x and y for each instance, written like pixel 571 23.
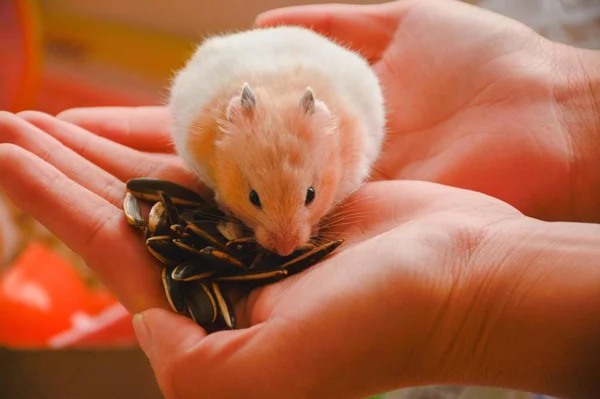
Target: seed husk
pixel 190 271
pixel 226 311
pixel 311 257
pixel 148 188
pixel 202 251
pixel 133 212
pixel 267 275
pixel 158 222
pixel 201 303
pixel 163 249
pixel 174 292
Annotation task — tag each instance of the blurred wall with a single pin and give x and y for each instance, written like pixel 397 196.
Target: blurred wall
pixel 122 52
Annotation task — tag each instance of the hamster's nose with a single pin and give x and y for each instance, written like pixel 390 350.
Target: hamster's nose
pixel 284 247
pixel 285 243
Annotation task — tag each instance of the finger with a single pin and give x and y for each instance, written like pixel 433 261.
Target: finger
pixel 122 162
pixel 226 361
pixel 143 128
pixel 366 29
pixel 179 352
pixel 17 131
pixel 166 337
pixel 175 333
pixel 86 223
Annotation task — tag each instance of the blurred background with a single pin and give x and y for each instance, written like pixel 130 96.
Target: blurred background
pixel 61 334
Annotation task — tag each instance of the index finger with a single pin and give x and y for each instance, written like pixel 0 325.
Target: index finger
pixel 366 29
pixel 89 225
pixel 143 128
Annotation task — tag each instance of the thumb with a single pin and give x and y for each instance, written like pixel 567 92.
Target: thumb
pixel 165 336
pixel 366 29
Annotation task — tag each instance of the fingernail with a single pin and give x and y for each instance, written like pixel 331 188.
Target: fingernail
pixel 258 19
pixel 142 332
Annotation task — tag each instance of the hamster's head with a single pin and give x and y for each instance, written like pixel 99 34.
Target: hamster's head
pixel 279 165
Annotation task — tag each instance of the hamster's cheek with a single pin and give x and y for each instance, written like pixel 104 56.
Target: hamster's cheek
pixel 263 237
pixel 321 210
pixel 306 232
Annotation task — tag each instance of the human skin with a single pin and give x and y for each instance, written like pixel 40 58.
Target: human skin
pixel 473 270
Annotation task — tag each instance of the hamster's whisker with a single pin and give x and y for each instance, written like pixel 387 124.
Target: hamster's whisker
pixel 354 215
pixel 212 218
pixel 346 205
pixel 219 218
pixel 345 211
pixel 325 238
pixel 340 225
pixel 336 215
pixel 347 218
pixel 345 198
pixel 333 232
pixel 351 202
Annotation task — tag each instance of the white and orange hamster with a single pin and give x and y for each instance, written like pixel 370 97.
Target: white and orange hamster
pixel 281 124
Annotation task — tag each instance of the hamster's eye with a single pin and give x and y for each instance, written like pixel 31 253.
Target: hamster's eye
pixel 254 198
pixel 310 196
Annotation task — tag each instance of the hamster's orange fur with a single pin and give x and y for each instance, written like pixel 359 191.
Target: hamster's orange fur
pixel 251 148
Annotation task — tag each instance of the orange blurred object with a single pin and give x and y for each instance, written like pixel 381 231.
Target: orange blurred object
pixel 40 295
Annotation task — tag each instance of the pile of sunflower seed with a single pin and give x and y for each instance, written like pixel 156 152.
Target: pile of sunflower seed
pixel 201 250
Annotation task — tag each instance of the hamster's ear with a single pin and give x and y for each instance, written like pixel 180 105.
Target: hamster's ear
pixel 310 105
pixel 243 103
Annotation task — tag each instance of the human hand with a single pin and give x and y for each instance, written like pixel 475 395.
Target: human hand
pixel 421 293
pixel 435 285
pixel 477 101
pixel 293 326
pixel 73 182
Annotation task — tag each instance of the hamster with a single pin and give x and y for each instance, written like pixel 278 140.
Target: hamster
pixel 281 124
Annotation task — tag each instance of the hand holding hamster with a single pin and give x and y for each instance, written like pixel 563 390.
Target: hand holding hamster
pixel 281 124
pixel 458 108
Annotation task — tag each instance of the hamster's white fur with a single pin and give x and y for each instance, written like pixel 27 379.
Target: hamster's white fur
pixel 222 59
